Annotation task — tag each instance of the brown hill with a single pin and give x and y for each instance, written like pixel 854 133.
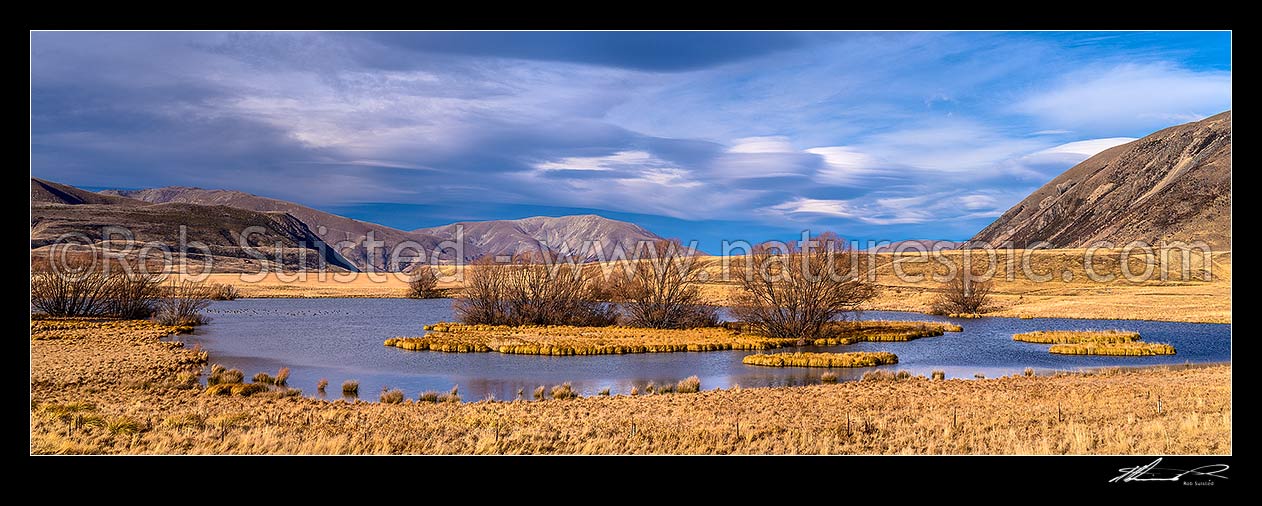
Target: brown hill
pixel 1173 185
pixel 48 192
pixel 60 212
pixel 481 238
pixel 579 234
pixel 348 234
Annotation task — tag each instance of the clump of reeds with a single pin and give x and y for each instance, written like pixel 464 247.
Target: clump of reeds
pixel 564 391
pixel 391 396
pixel 282 376
pixel 877 376
pixel 322 384
pixel 938 375
pixel 604 392
pixel 428 396
pixel 264 378
pixel 849 359
pixel 123 426
pixel 221 376
pixel 979 376
pixel 184 421
pixel 1076 336
pixel 635 391
pixel 223 291
pixel 828 377
pixel 1029 372
pixel 689 385
pixel 238 389
pixel 185 380
pixel 1128 349
pixel 451 396
pixel 539 391
pixel 350 387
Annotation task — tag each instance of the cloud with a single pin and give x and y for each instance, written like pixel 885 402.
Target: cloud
pixel 1129 97
pixel 617 160
pixel 905 134
pixel 1085 149
pixel 655 51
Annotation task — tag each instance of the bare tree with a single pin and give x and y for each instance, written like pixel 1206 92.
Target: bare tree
pixel 74 288
pixel 531 290
pixel 484 293
pixel 663 290
pixel 79 287
pixel 423 284
pixel 182 303
pixel 796 291
pixel 963 294
pixel 132 295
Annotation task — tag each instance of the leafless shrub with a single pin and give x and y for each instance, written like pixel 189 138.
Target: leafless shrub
pixel 78 287
pixel 795 291
pixel 423 284
pixel 662 289
pixel 963 294
pixel 182 302
pixel 531 290
pixel 224 291
pixel 132 295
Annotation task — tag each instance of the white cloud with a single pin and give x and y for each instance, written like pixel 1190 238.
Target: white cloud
pixel 1130 96
pixel 977 202
pixel 1085 149
pixel 774 144
pixel 600 163
pixel 838 208
pixel 845 164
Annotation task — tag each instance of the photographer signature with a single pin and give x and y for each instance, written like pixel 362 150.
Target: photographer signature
pixel 1151 472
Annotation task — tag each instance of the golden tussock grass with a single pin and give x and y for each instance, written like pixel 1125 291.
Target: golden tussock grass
pixel 563 340
pixel 239 389
pixel 1131 349
pixel 828 377
pixel 689 385
pixel 350 387
pixel 1108 413
pixel 564 391
pixel 885 331
pixel 849 359
pixel 391 396
pixel 560 340
pixel 1076 336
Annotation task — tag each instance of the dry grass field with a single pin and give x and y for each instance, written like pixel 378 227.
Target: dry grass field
pixel 115 388
pixel 1189 300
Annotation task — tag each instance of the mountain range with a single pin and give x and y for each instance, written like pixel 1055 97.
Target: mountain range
pixel 1172 185
pixel 58 208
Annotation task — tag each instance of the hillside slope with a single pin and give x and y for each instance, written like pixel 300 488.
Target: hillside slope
pixel 64 214
pixel 1173 185
pixel 333 229
pixel 481 238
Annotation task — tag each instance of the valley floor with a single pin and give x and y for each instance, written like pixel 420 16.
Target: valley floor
pixel 110 388
pixel 1155 299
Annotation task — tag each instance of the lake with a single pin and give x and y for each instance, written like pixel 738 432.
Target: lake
pixel 341 339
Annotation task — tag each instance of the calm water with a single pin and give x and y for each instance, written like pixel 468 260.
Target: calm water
pixel 340 339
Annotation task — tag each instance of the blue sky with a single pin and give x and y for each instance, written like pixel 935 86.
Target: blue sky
pixel 706 136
